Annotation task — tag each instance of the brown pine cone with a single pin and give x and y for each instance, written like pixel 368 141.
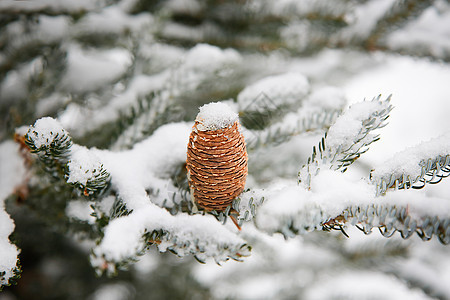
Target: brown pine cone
pixel 216 158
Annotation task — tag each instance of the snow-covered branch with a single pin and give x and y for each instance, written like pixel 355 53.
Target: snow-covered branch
pixel 347 138
pixel 317 112
pixel 148 166
pixel 334 202
pixel 428 162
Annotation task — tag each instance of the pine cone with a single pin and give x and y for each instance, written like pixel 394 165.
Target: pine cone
pixel 216 158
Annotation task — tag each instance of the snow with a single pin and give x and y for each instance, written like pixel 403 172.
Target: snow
pixel 147 264
pixel 420 91
pixel 362 285
pixel 430 31
pixel 12 173
pixel 88 70
pixel 193 7
pixel 284 89
pixel 112 20
pixel 364 18
pixel 348 126
pixel 204 57
pixel 53 28
pixel 51 5
pixel 420 101
pixel 215 116
pixel 80 210
pixel 327 97
pixel 185 74
pixel 44 131
pixel 15 84
pixel 83 165
pixel 202 63
pixel 290 264
pixel 147 166
pixel 123 236
pixel 408 161
pixel 114 291
pixel 160 56
pixel 429 265
pixel 330 194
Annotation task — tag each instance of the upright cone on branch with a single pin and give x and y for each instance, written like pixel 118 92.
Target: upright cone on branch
pixel 216 158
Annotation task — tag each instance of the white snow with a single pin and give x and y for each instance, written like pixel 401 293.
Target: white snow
pixel 408 161
pixel 350 123
pixel 207 58
pixel 330 194
pixel 44 131
pixel 83 165
pixel 183 74
pixel 114 291
pixel 15 84
pixel 420 101
pixel 53 28
pixel 347 284
pixel 12 172
pixel 363 19
pixel 112 20
pixel 201 63
pixel 429 265
pixel 297 34
pixel 80 210
pixel 319 110
pixel 192 7
pixel 147 166
pixel 215 116
pixel 430 32
pixel 327 97
pixel 88 70
pixel 123 236
pixel 60 5
pixel 284 89
pixel 318 262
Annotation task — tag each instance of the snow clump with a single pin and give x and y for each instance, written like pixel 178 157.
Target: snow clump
pixel 214 116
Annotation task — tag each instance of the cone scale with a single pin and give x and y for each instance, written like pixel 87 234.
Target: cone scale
pixel 216 158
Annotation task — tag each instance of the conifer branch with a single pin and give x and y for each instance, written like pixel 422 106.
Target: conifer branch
pixel 432 171
pixel 414 167
pixel 390 218
pixel 151 112
pixel 10 279
pixel 198 235
pixel 65 160
pixel 279 133
pixel 393 214
pixel 145 223
pixel 400 13
pixel 85 171
pixel 44 8
pixel 342 145
pixel 51 143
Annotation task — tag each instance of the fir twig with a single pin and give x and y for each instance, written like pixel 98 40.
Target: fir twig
pixel 347 147
pixel 391 218
pixel 278 133
pixel 400 13
pixel 142 120
pixel 432 171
